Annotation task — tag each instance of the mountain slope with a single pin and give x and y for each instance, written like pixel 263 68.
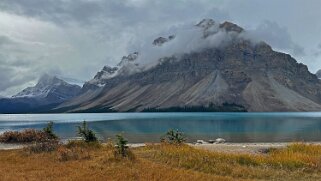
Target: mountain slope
pixel 47 93
pixel 318 74
pixel 247 75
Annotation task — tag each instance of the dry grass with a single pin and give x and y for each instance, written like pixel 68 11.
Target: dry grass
pixel 100 165
pixel 296 162
pixel 160 162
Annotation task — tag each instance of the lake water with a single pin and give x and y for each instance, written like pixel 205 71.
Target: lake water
pixel 149 127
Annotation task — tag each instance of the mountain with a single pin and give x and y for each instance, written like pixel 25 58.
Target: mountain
pixel 236 74
pixel 318 74
pixel 49 86
pixel 47 93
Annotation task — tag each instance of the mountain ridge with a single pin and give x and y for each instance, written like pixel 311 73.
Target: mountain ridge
pixel 242 73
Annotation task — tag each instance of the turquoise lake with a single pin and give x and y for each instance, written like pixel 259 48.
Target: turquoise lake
pixel 149 127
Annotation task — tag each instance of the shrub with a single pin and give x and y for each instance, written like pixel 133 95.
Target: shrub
pixel 24 136
pixel 74 153
pixel 87 134
pixel 121 145
pixel 49 131
pixel 46 146
pixel 65 154
pixel 173 137
pixel 29 135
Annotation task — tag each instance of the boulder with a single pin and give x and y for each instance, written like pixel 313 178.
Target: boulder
pixel 201 142
pixel 220 140
pixel 211 141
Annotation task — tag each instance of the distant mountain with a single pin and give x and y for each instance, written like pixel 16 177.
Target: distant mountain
pixel 318 74
pixel 225 71
pixel 47 93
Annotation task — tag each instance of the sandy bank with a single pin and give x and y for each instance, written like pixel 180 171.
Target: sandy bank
pixel 4 146
pixel 252 148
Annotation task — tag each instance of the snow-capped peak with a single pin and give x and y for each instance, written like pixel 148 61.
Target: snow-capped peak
pixel 45 85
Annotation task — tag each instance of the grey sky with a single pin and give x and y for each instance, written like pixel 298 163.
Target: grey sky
pixel 76 38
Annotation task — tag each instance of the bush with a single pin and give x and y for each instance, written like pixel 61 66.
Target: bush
pixel 121 145
pixel 29 135
pixel 173 137
pixel 49 131
pixel 87 134
pixel 24 136
pixel 73 153
pixel 47 146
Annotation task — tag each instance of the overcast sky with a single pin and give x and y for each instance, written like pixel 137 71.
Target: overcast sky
pixel 76 38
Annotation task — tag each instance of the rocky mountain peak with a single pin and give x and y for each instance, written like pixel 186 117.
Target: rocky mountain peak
pixel 107 71
pixel 129 58
pixel 210 27
pixel 228 26
pixel 206 23
pixel 161 40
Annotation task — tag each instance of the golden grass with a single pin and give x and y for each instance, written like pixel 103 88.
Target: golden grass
pixel 162 162
pixel 297 161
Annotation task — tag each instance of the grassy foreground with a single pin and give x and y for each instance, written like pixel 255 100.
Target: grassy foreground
pixel 160 162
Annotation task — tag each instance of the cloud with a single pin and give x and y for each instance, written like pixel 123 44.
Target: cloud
pixel 317 51
pixel 278 37
pixel 187 38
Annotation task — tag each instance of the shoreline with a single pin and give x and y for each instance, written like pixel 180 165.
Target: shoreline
pixel 249 148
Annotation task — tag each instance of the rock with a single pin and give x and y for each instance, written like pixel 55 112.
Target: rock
pixel 129 58
pixel 220 140
pixel 206 23
pixel 211 141
pixel 201 142
pixel 228 26
pixel 159 41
